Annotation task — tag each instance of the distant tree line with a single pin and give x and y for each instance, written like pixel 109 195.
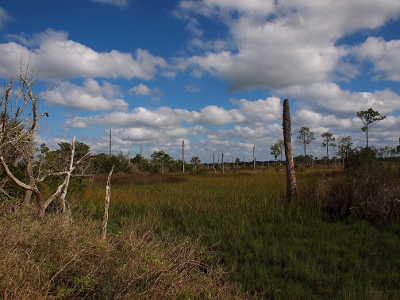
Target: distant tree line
pixel 342 149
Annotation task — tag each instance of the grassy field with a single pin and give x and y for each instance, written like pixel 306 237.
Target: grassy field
pixel 275 250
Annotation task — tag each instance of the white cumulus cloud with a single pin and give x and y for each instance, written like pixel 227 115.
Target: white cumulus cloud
pixel 57 57
pixel 144 90
pixel 91 96
pixel 384 55
pixel 276 44
pixel 328 97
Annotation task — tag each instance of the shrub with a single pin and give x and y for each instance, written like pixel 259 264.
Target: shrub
pixel 368 190
pixel 360 157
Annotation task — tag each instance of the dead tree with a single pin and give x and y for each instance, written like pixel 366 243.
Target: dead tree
pixel 222 164
pixel 287 138
pixel 106 205
pixel 254 157
pixel 15 136
pixel 183 156
pixel 68 173
pixel 26 82
pixel 14 133
pixel 61 189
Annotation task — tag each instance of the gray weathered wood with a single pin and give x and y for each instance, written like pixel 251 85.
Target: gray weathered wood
pixel 287 138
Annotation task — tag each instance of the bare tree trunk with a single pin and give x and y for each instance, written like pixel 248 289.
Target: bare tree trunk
pixel 215 169
pixel 129 151
pixel 29 97
pixel 68 176
pixel 109 150
pixel 254 158
pixel 106 206
pixel 183 156
pixel 222 164
pixel 287 138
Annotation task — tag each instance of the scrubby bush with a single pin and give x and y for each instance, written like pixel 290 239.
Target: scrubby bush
pixel 368 189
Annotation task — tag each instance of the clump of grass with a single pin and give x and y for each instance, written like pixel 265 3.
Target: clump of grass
pixel 48 260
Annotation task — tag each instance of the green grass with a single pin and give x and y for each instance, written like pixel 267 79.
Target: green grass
pixel 276 250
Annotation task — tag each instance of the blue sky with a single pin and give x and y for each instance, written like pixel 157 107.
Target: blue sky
pixel 213 73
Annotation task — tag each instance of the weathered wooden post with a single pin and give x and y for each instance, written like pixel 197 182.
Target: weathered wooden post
pixel 291 192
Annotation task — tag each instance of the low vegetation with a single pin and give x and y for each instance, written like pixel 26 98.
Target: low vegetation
pixel 47 259
pixel 275 250
pixel 213 236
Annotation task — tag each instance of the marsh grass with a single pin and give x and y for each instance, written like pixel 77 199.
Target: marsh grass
pixel 276 250
pixel 45 259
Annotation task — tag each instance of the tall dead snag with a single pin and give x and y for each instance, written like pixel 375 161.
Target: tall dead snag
pixel 183 156
pixel 26 82
pixel 222 164
pixel 287 139
pixel 254 158
pixel 68 173
pixel 106 205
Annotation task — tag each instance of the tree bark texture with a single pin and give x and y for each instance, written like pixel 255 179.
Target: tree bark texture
pixel 287 138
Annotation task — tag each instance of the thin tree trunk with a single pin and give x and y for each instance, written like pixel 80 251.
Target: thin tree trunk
pixel 215 169
pixel 68 176
pixel 183 156
pixel 106 206
pixel 222 164
pixel 327 149
pixel 287 138
pixel 29 167
pixel 254 158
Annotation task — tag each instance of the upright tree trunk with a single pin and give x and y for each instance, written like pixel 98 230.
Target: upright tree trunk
pixel 106 206
pixel 183 156
pixel 327 149
pixel 29 162
pixel 222 164
pixel 109 150
pixel 67 178
pixel 215 169
pixel 254 158
pixel 287 138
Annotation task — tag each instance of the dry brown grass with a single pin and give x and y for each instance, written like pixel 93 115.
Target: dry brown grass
pixel 48 260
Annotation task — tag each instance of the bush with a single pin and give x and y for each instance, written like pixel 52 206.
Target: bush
pixel 362 157
pixel 368 190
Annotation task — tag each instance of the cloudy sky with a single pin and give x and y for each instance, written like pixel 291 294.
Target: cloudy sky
pixel 213 73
